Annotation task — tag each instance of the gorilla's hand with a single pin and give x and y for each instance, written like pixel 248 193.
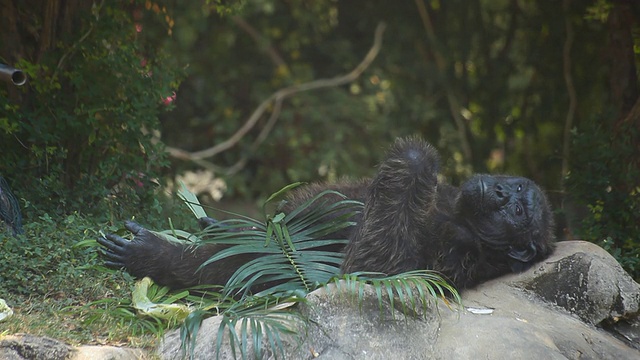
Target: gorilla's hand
pixel 117 250
pixel 168 263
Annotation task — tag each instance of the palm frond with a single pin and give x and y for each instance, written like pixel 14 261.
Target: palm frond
pixel 280 193
pixel 254 323
pixel 189 332
pixel 413 290
pixel 257 328
pixel 293 256
pixel 295 253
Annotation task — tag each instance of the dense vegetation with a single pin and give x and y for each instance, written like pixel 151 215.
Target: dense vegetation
pixel 547 90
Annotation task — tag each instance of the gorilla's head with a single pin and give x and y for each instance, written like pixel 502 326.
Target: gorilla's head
pixel 510 215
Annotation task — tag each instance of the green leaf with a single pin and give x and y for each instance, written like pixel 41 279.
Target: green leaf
pixel 283 191
pixel 189 332
pixel 191 200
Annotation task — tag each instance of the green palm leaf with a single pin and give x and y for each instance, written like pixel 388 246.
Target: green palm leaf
pixel 293 248
pixel 411 289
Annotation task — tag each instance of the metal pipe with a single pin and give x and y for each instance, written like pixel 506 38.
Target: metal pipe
pixel 15 76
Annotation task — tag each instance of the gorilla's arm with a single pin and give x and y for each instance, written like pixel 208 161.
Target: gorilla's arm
pixel 176 265
pixel 167 263
pixel 389 237
pixel 462 259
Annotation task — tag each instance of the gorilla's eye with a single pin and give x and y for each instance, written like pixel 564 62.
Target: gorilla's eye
pixel 518 210
pixel 519 188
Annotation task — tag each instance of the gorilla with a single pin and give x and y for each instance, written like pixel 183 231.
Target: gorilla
pixel 487 227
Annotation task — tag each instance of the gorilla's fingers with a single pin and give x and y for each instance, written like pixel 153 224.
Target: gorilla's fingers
pixel 524 255
pixel 112 259
pixel 134 227
pixel 113 242
pixel 113 265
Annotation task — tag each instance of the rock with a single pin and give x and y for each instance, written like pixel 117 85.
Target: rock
pixel 578 304
pixel 23 346
pixel 532 318
pixel 29 347
pixel 585 280
pixel 331 332
pixel 89 352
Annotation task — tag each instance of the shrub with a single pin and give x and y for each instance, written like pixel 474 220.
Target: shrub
pixel 45 259
pixel 604 178
pixel 80 129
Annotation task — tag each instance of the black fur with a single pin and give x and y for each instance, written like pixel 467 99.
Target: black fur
pixel 489 226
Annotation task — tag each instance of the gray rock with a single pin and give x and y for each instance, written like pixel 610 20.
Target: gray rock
pixel 571 306
pixel 585 280
pixel 94 352
pixel 338 328
pixel 534 320
pixel 29 347
pixel 24 346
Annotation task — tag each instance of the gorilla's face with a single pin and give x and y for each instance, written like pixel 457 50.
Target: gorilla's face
pixel 509 214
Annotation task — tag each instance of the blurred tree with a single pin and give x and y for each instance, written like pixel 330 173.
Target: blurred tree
pixel 483 80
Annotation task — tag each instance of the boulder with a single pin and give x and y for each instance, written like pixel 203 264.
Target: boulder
pixel 29 347
pixel 586 281
pixel 577 304
pixel 24 346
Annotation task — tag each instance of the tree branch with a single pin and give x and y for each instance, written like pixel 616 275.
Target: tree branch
pixel 454 105
pixel 263 43
pixel 277 98
pixel 573 98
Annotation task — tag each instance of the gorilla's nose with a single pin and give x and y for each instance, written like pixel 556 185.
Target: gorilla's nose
pixel 502 193
pixel 482 185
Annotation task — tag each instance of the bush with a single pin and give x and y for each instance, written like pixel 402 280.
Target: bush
pixel 604 178
pixel 52 278
pixel 46 260
pixel 80 129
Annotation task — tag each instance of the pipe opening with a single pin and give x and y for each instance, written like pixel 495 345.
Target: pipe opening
pixel 18 78
pixel 12 75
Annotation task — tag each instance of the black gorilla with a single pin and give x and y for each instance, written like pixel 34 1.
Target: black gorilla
pixel 489 226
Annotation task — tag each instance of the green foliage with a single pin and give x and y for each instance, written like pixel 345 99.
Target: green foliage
pixel 45 259
pixel 82 130
pixel 502 71
pixel 260 321
pixel 49 274
pixel 123 311
pixel 604 178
